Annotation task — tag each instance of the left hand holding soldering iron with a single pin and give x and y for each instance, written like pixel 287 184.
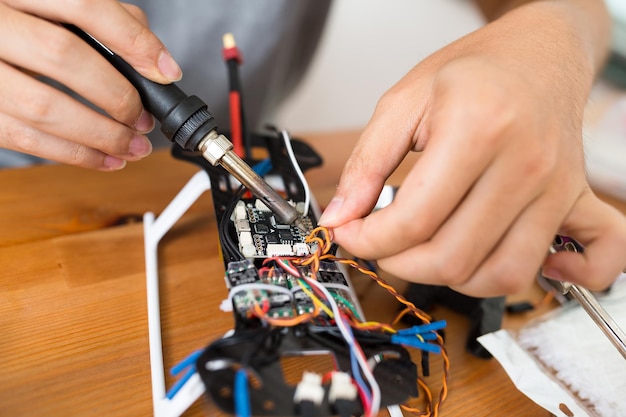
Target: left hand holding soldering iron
pixel 498 119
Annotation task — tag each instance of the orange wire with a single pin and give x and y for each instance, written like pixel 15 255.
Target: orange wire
pixel 428 405
pixel 322 254
pixel 545 300
pixel 285 322
pixel 321 237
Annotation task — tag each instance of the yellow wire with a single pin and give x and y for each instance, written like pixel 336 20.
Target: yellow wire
pixel 320 236
pixel 324 245
pixel 316 300
pixel 375 325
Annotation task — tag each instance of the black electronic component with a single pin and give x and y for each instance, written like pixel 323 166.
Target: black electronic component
pixel 268 236
pixel 261 228
pixel 519 307
pixel 265 293
pixel 285 236
pixel 272 239
pixel 242 272
pixel 329 273
pixel 279 293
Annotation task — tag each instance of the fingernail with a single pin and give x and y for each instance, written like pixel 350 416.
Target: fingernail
pixel 329 216
pixel 145 123
pixel 168 67
pixel 552 274
pixel 113 164
pixel 140 146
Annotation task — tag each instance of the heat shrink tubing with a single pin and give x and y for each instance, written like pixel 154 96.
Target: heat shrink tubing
pixel 186 121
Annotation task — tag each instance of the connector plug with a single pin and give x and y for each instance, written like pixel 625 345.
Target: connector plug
pixel 341 387
pixel 342 394
pixel 309 394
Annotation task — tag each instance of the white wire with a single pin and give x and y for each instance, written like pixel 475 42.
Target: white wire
pixel 347 334
pixel 395 411
pixel 258 286
pixel 327 285
pixel 296 167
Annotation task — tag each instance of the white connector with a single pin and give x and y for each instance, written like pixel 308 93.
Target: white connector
pixel 341 388
pixel 309 389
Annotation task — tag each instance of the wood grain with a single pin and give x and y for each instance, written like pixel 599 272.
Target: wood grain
pixel 73 321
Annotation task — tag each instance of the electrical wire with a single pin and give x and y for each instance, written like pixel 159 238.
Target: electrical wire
pixel 242 394
pixel 229 247
pixel 296 167
pixel 354 346
pixel 238 129
pixel 188 365
pixel 372 404
pixel 257 286
pixel 322 254
pixel 304 270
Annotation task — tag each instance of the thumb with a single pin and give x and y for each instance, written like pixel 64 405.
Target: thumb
pixel 601 229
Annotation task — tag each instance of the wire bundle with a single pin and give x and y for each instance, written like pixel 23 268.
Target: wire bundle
pixel 330 312
pixel 333 313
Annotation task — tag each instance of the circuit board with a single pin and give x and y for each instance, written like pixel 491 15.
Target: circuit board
pixel 261 235
pixel 285 307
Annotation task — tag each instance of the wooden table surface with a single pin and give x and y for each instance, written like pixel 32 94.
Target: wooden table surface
pixel 73 318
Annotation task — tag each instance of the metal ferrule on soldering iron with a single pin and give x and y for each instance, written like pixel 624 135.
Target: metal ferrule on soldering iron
pixel 186 121
pixel 216 148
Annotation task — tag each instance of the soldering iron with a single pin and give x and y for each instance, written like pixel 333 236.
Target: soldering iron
pixel 186 121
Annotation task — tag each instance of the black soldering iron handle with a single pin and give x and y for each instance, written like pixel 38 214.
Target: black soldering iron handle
pixel 184 119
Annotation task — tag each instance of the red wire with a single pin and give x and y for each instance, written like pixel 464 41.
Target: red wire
pixel 234 100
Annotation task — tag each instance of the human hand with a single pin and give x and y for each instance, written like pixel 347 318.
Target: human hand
pixel 497 116
pixel 38 119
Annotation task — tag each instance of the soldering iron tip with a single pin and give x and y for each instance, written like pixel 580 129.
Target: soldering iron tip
pixel 300 224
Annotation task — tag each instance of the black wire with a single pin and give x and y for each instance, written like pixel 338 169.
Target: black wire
pixel 362 336
pixel 230 248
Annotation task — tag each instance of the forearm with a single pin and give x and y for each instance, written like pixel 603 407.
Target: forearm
pixel 586 19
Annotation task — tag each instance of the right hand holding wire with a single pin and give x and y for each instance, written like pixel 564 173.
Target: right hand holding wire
pixel 41 120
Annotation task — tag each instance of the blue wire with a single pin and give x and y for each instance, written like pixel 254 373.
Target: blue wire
pixel 356 374
pixel 180 383
pixel 188 363
pixel 190 360
pixel 427 336
pixel 415 342
pixel 263 167
pixel 423 328
pixel 242 395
